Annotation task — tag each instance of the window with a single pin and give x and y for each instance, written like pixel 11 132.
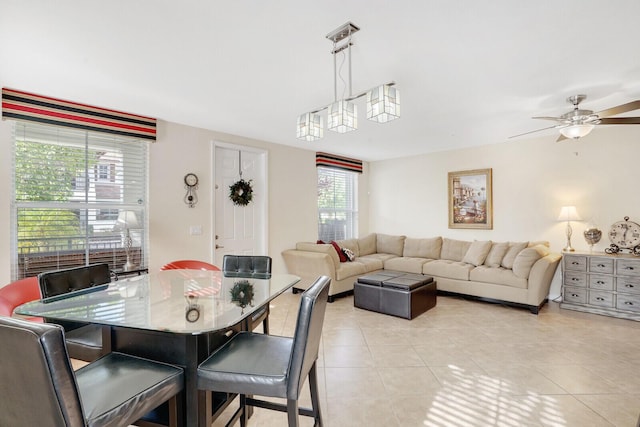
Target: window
pixel 71 189
pixel 337 204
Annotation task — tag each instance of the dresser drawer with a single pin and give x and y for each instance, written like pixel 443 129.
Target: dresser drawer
pixel 628 267
pixel 575 279
pixel 601 265
pixel 575 263
pixel 603 283
pixel 601 299
pixel 628 302
pixel 577 295
pixel 628 284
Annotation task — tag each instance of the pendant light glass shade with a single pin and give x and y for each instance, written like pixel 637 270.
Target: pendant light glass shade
pixel 342 116
pixel 577 131
pixel 310 127
pixel 383 104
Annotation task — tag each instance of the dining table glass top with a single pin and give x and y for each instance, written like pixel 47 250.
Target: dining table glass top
pixel 178 301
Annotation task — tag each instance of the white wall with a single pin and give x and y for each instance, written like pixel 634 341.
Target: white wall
pixel 532 179
pixel 181 149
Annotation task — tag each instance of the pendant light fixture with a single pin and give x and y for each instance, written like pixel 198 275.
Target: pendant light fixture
pixel 383 102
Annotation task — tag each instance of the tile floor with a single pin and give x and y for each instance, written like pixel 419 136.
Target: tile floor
pixel 469 363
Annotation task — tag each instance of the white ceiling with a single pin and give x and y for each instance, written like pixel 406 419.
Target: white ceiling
pixel 470 72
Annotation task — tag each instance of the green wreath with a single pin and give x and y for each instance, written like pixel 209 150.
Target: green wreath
pixel 242 293
pixel 241 193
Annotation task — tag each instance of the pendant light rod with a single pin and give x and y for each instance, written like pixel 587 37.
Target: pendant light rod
pixel 351 98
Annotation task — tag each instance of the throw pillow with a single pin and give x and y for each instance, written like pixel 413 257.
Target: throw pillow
pixel 510 256
pixel 349 253
pixel 526 258
pixel 495 255
pixel 341 255
pixel 477 252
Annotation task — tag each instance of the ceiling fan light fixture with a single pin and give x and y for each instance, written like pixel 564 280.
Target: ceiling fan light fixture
pixel 383 104
pixel 577 131
pixel 310 127
pixel 342 116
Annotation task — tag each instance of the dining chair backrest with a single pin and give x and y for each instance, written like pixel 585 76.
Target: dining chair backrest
pixel 17 293
pixel 306 338
pixel 37 382
pixel 191 264
pixel 54 283
pixel 253 266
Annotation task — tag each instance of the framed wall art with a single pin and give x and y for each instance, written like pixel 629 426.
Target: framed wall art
pixel 470 199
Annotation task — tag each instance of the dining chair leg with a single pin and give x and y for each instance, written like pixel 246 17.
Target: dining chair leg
pixel 265 325
pixel 292 412
pixel 315 398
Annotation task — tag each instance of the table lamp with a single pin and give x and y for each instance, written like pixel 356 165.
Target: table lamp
pixel 568 213
pixel 126 221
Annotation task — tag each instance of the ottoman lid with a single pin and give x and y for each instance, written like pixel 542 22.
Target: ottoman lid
pixel 407 283
pixel 376 279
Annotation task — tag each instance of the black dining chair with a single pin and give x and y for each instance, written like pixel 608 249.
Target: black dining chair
pixel 252 267
pixel 39 387
pixel 272 366
pixel 83 341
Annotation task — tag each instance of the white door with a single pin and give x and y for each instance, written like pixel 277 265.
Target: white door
pixel 239 230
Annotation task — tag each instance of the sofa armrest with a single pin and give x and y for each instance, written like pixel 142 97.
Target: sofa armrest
pixel 309 265
pixel 541 276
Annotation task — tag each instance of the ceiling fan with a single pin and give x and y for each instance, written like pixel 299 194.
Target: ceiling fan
pixel 578 123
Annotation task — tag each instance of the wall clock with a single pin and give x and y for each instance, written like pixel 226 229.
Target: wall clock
pixel 624 235
pixel 191 183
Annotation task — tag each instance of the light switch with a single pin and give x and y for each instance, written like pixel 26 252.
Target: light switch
pixel 195 230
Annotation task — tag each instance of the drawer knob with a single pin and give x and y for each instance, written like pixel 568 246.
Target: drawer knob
pixel 628 303
pixel 629 286
pixel 600 282
pixel 599 299
pixel 575 295
pixel 575 279
pixel 629 268
pixel 575 263
pixel 601 265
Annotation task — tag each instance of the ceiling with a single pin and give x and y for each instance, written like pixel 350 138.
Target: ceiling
pixel 470 72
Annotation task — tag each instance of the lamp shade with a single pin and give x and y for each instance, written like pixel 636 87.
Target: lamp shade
pixel 310 127
pixel 576 131
pixel 383 104
pixel 342 116
pixel 569 213
pixel 127 219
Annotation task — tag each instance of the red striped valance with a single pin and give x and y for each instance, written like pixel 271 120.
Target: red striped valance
pixel 338 162
pixel 37 108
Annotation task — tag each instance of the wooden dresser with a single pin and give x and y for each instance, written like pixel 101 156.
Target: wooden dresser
pixel 601 284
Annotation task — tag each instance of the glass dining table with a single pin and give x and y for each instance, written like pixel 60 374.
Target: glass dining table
pixel 173 316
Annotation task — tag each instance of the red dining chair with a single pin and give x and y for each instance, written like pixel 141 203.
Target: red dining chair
pixel 17 293
pixel 191 264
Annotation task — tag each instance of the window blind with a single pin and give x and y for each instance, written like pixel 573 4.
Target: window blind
pixel 75 195
pixel 337 204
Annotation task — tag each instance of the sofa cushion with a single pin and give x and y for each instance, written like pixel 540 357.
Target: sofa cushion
pixel 477 252
pixel 370 262
pixel 498 276
pixel 422 248
pixel 454 250
pixel 406 264
pixel 349 269
pixel 387 244
pixel 447 268
pixel 350 244
pixel 512 252
pixel 495 255
pixel 325 248
pixel 367 245
pixel 526 258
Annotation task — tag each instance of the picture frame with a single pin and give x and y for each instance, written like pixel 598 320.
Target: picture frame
pixel 471 199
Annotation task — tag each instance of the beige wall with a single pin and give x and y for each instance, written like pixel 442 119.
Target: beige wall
pixel 180 149
pixel 532 179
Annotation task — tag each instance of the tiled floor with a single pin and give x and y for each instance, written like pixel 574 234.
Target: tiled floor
pixel 469 363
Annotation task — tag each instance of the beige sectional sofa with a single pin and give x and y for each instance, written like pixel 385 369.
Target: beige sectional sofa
pixel 515 272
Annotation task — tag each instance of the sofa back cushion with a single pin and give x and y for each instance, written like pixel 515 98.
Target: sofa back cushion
pixel 367 245
pixel 454 250
pixel 387 244
pixel 422 248
pixel 512 252
pixel 526 258
pixel 477 252
pixel 351 244
pixel 495 255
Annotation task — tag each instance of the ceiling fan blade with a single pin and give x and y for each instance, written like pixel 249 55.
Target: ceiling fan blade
pixel 532 131
pixel 557 119
pixel 561 138
pixel 620 121
pixel 630 106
